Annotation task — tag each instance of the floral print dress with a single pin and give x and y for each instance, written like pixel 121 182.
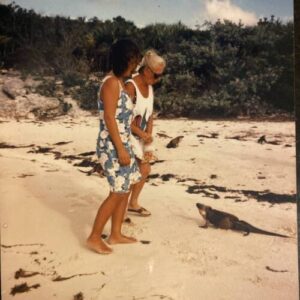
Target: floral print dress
pixel 120 178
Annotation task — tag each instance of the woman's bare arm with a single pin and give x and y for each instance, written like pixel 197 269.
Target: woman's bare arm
pixel 138 131
pixel 149 125
pixel 130 89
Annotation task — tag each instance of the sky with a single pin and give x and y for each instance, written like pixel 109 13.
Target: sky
pixel 145 12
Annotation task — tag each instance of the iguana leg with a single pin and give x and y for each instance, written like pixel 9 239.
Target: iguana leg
pixel 204 226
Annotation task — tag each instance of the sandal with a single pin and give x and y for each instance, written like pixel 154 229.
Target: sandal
pixel 143 212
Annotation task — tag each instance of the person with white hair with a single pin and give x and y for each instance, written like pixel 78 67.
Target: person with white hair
pixel 140 90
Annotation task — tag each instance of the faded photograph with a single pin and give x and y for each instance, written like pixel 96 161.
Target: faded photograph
pixel 147 150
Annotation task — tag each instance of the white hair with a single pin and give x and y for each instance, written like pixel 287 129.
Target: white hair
pixel 153 60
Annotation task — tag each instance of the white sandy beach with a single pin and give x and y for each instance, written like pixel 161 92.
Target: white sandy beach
pixel 48 207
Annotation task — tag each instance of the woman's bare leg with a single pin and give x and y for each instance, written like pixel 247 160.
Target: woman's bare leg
pixel 116 236
pixel 137 188
pixel 105 211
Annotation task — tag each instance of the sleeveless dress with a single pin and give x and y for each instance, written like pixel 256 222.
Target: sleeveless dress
pixel 120 178
pixel 143 109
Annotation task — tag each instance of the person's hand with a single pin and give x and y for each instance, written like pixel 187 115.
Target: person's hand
pixel 149 157
pixel 123 157
pixel 147 138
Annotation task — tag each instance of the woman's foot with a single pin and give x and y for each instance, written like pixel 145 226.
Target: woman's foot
pixel 97 245
pixel 122 239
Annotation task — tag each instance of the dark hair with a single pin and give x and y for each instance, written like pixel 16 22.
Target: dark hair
pixel 121 53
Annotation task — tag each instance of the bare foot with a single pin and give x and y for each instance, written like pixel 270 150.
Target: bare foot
pixel 98 246
pixel 122 239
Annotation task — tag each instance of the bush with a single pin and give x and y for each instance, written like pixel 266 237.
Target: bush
pixel 47 88
pixel 71 79
pixel 219 68
pixel 87 95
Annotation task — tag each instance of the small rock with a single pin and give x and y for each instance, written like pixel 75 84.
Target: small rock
pixel 13 87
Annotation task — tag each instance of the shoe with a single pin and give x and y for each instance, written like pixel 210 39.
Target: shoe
pixel 143 212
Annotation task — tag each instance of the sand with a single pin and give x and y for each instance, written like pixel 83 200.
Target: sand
pixel 48 207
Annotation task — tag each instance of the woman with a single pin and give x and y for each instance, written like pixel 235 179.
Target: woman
pixel 140 90
pixel 113 145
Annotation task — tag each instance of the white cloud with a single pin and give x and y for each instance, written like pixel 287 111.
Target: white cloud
pixel 225 9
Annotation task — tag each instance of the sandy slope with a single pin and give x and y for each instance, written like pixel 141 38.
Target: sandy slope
pixel 48 207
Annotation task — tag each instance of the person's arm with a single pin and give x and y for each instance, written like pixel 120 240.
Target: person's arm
pixel 135 129
pixel 110 95
pixel 130 89
pixel 148 130
pixel 150 125
pixel 144 135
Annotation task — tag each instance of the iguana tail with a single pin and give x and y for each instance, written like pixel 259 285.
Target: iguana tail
pixel 246 227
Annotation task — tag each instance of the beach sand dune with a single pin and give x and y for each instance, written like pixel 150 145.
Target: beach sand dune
pixel 48 207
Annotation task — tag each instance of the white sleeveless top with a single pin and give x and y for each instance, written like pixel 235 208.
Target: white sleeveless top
pixel 143 106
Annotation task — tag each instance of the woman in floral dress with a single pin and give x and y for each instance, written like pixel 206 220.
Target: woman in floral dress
pixel 113 145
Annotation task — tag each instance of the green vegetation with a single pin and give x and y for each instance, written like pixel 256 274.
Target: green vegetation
pixel 221 69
